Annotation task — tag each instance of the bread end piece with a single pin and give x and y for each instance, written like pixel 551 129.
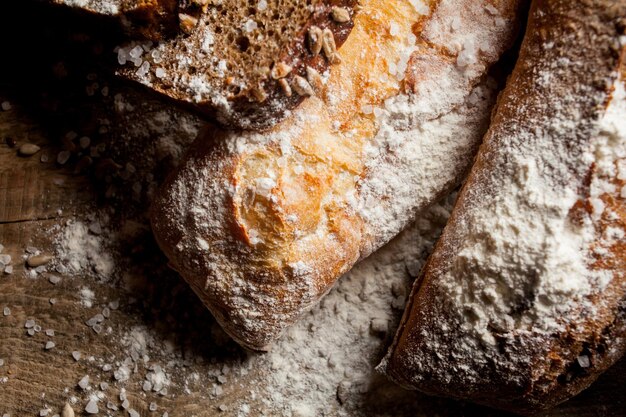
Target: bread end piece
pixel 572 54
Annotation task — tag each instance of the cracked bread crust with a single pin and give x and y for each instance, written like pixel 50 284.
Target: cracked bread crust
pixel 453 339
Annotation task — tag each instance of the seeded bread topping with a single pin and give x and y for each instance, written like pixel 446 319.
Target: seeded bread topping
pixel 244 64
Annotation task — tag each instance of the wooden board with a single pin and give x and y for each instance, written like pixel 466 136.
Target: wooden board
pixel 52 93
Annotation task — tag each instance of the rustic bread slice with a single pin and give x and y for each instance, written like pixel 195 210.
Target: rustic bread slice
pixel 244 63
pixel 151 19
pixel 523 301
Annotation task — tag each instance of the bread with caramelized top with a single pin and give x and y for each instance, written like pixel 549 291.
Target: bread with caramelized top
pixel 261 225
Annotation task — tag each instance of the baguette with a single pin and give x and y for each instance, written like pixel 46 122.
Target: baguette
pixel 523 302
pixel 243 64
pixel 261 225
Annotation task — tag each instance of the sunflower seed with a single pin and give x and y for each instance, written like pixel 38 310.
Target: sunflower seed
pixel 314 41
pixel 340 14
pixel 284 85
pixel 28 149
pixel 328 43
pixel 38 260
pixel 280 70
pixel 302 86
pixel 68 411
pixel 187 23
pixel 314 78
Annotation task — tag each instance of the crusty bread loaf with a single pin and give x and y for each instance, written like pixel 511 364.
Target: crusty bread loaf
pixel 151 19
pixel 242 63
pixel 523 301
pixel 262 224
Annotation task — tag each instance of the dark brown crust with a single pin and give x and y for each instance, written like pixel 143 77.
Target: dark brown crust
pixel 153 20
pixel 273 110
pixel 246 112
pixel 538 375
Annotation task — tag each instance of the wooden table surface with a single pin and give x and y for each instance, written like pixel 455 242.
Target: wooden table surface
pixel 51 94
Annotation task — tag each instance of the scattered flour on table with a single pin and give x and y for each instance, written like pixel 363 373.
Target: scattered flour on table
pixel 81 249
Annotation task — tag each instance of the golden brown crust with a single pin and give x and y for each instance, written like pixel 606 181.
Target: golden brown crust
pixel 569 56
pixel 262 224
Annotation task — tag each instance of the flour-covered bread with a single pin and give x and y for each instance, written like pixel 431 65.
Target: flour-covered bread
pixel 262 224
pixel 151 19
pixel 523 301
pixel 244 63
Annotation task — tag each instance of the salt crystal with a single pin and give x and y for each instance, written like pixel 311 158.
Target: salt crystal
pixel 63 157
pixel 52 301
pixel 5 259
pixel 6 311
pixel 1 362
pixel 49 332
pixel 250 25
pixel 76 355
pixel 125 404
pixel 136 52
pixel 44 412
pixel 143 69
pixel 104 386
pixel 8 269
pixel 262 5
pixel 29 323
pixel 153 406
pixel 133 413
pixel 92 407
pixel 54 279
pixel 111 406
pixel 583 361
pixel 6 106
pixel 49 345
pixel 84 382
pixel 84 142
pixel 160 73
pixel 37 328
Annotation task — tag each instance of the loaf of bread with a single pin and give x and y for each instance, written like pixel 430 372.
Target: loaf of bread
pixel 523 302
pixel 262 224
pixel 244 64
pixel 150 19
